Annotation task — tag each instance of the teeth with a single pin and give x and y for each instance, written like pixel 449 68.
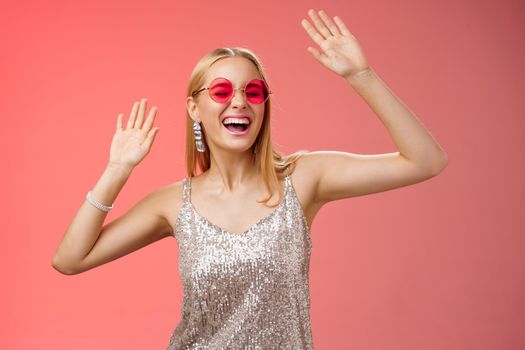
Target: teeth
pixel 230 120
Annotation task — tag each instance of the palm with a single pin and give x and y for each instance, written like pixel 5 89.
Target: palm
pixel 130 146
pixel 342 53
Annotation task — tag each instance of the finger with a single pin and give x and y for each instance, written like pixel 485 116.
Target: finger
pixel 142 111
pixel 133 115
pixel 119 122
pixel 150 119
pixel 342 26
pixel 149 139
pixel 318 56
pixel 319 24
pixel 331 26
pixel 312 32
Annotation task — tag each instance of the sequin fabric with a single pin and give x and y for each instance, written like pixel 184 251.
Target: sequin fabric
pixel 244 291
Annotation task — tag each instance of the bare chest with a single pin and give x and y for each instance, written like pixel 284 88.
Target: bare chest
pixel 237 214
pixel 234 214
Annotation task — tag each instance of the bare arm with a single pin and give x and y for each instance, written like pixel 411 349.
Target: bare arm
pixel 342 174
pixel 85 228
pixel 85 243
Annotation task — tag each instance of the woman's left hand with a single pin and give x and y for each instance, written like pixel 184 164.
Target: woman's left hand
pixel 342 54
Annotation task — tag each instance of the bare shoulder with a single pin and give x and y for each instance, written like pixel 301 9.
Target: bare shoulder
pixel 305 167
pixel 167 201
pixel 305 185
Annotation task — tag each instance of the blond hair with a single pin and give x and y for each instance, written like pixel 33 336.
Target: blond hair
pixel 271 163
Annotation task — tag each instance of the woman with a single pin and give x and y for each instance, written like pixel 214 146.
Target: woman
pixel 243 261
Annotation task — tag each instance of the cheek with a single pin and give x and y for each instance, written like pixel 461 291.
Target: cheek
pixel 259 124
pixel 260 114
pixel 211 113
pixel 209 108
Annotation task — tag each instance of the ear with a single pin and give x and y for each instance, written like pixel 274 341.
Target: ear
pixel 192 107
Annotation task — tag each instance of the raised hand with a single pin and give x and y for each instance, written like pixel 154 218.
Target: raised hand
pixel 342 53
pixel 130 146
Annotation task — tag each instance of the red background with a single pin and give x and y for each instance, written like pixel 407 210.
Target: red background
pixel 436 265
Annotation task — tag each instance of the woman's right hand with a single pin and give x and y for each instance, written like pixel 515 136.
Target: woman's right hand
pixel 130 146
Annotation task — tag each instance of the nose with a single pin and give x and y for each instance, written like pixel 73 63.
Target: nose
pixel 238 98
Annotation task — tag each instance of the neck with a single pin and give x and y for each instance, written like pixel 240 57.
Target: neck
pixel 230 170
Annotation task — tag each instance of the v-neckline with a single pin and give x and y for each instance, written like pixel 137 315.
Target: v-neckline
pixel 251 227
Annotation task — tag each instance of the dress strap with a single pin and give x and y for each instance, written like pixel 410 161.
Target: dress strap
pixel 287 180
pixel 186 185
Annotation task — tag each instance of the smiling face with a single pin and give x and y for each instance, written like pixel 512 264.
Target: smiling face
pixel 212 115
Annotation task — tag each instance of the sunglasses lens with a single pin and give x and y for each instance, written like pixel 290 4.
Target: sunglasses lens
pixel 221 90
pixel 256 91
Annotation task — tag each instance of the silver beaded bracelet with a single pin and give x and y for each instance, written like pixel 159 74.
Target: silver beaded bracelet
pixel 96 204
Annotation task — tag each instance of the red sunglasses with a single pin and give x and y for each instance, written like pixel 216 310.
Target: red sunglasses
pixel 221 90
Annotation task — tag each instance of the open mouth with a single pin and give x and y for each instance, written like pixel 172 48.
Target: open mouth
pixel 237 126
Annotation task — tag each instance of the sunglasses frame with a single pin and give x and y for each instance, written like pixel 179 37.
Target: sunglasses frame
pixel 195 93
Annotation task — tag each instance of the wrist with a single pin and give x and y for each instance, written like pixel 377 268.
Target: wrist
pixel 359 76
pixel 119 169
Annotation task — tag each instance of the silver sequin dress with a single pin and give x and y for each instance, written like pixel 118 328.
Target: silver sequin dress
pixel 244 291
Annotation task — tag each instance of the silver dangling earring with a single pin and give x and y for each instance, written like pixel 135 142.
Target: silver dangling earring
pixel 197 133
